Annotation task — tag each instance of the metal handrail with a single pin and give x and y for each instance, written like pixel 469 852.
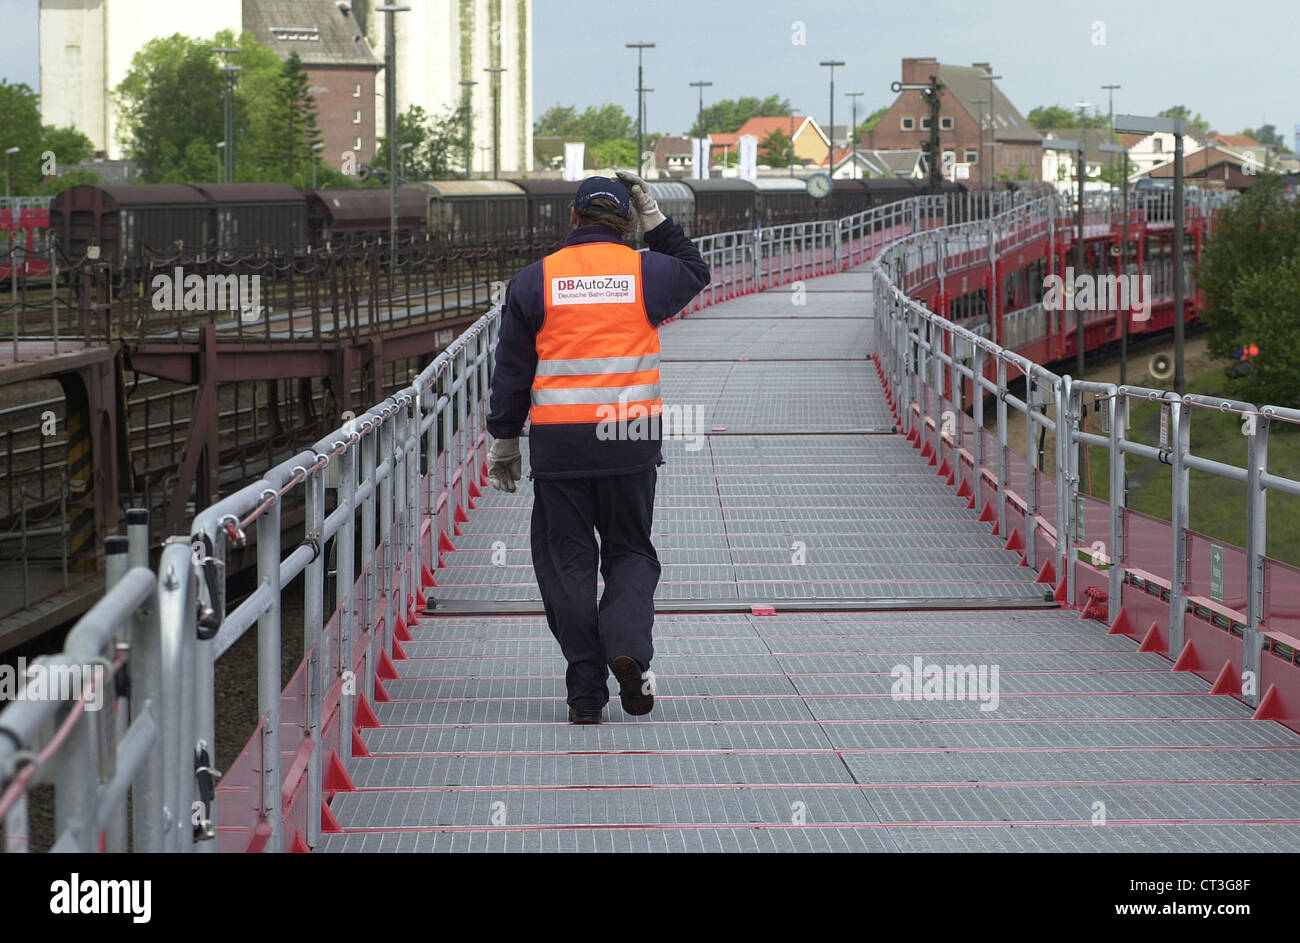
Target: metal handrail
pixel 402 475
pixel 923 355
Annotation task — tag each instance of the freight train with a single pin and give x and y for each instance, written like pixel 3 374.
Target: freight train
pixel 130 224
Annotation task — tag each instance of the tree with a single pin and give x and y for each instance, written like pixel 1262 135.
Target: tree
pixel 1267 135
pixel 1250 277
pixel 617 152
pixel 39 145
pixel 774 150
pixel 596 125
pixel 1197 125
pixel 171 96
pixel 439 144
pixel 726 116
pixel 1052 116
pixel 290 153
pixel 871 121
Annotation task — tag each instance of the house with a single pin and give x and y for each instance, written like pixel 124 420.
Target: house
pixel 1061 168
pixel 548 152
pixel 811 145
pixel 1215 168
pixel 673 155
pixel 341 69
pixel 966 122
pixel 863 163
pixel 1146 151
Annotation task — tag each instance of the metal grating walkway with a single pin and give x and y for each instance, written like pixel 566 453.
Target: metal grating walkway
pixel 783 732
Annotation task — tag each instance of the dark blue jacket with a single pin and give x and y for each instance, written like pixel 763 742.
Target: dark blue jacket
pixel 672 272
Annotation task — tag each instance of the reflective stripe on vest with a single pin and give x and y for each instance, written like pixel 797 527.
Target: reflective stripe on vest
pixel 597 353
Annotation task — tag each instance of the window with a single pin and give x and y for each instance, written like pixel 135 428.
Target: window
pixel 1159 144
pixel 908 124
pixel 972 155
pixel 925 123
pixel 945 123
pixel 356 90
pixel 356 145
pixel 356 116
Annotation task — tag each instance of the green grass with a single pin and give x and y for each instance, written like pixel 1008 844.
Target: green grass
pixel 1217 505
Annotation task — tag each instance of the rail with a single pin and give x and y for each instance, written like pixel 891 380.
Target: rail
pixel 381 495
pixel 1241 600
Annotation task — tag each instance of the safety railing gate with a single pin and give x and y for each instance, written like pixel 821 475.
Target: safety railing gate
pixel 1226 613
pixel 372 505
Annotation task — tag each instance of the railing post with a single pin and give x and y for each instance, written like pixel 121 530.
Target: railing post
pixel 1002 446
pixel 1117 409
pixel 315 646
pixel 1062 442
pixel 369 542
pixel 268 669
pixel 1074 402
pixel 1180 420
pixel 977 408
pixel 1031 473
pixel 345 599
pixel 1256 548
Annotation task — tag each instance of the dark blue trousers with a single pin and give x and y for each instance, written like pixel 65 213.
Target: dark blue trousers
pixel 567 515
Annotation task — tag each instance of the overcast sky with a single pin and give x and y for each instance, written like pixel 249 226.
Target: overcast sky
pixel 1236 63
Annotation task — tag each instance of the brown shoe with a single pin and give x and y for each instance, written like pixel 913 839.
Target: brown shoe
pixel 579 716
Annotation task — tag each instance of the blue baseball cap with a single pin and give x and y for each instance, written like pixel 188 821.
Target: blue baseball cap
pixel 603 188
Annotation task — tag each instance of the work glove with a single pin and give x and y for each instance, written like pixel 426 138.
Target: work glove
pixel 642 200
pixel 504 464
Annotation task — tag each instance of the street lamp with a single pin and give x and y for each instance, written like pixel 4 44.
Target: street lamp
pixel 229 77
pixel 699 174
pixel 1110 127
pixel 8 151
pixel 401 161
pixel 390 125
pixel 640 102
pixel 1123 260
pixel 990 78
pixel 315 149
pixel 830 131
pixel 496 71
pixel 1077 148
pixel 1139 124
pixel 853 129
pixel 467 84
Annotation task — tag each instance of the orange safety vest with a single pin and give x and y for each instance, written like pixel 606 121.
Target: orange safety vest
pixel 597 352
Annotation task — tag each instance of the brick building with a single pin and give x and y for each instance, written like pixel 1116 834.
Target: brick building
pixel 342 70
pixel 964 123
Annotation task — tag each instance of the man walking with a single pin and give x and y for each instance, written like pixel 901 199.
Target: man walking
pixel 579 358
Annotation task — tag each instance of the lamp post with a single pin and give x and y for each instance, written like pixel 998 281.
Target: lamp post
pixel 640 47
pixel 390 125
pixel 8 152
pixel 830 131
pixel 221 162
pixel 701 86
pixel 992 101
pixel 979 153
pixel 467 84
pixel 1110 127
pixel 496 71
pixel 1178 128
pixel 1123 262
pixel 315 150
pixel 853 129
pixel 229 77
pixel 401 159
pixel 1077 148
